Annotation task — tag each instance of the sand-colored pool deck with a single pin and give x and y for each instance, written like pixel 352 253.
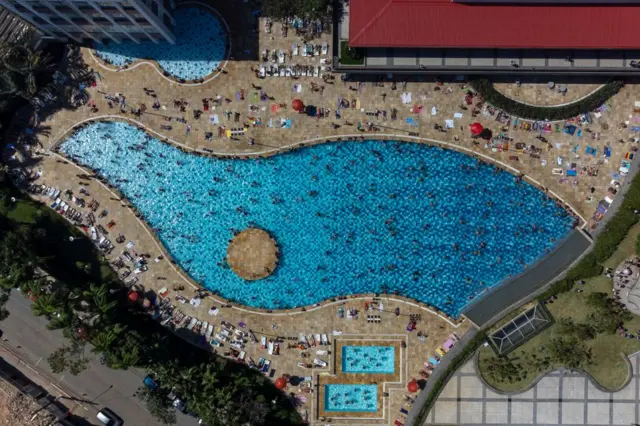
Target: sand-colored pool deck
pixel 431 104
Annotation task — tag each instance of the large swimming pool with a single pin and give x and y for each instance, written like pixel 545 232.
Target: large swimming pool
pixel 349 217
pixel 201 42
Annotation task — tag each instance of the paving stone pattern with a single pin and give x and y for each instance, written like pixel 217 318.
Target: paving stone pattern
pixel 561 398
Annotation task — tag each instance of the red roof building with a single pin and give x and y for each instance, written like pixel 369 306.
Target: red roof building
pixel 443 23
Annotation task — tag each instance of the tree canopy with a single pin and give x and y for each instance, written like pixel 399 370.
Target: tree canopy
pixel 75 295
pixel 309 9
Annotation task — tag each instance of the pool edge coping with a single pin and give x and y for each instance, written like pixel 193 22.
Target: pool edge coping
pixel 454 322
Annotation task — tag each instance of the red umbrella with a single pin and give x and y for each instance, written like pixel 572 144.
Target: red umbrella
pixel 133 295
pixel 281 383
pixel 82 333
pixel 297 105
pixel 413 386
pixel 476 128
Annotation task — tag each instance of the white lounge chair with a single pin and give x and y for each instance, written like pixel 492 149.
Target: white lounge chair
pixel 320 363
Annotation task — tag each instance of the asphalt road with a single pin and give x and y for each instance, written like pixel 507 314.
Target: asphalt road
pixel 26 343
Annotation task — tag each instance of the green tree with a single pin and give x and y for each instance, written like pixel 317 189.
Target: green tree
pixel 570 352
pixel 69 358
pixel 158 405
pixel 45 305
pixel 310 9
pixel 504 369
pixel 581 331
pixel 105 339
pixel 4 298
pixel 64 320
pixel 609 315
pixel 100 300
pixel 28 64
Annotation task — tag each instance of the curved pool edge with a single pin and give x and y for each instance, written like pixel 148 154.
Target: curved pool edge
pixel 534 280
pixel 455 322
pixel 156 66
pixel 348 137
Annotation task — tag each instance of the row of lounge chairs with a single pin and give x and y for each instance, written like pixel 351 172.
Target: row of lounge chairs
pixel 291 71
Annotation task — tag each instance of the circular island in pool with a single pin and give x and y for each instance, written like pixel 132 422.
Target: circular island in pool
pixel 199 50
pixel 369 217
pixel 252 254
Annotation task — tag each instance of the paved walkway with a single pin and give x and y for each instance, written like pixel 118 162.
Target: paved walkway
pixel 437 373
pixel 511 293
pixel 561 398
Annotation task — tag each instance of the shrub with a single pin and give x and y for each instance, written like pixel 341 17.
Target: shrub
pixel 570 352
pixel 350 55
pixel 456 363
pixel 582 331
pixel 518 109
pixel 605 245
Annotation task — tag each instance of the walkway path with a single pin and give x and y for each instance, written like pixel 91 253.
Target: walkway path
pixel 437 374
pixel 560 398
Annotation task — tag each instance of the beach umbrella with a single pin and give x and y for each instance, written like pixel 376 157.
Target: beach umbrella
pixel 133 296
pixel 297 105
pixel 413 386
pixel 476 128
pixel 82 333
pixel 281 383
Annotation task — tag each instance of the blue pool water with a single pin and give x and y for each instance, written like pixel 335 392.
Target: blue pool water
pixel 351 398
pixel 201 41
pixel 368 359
pixel 370 217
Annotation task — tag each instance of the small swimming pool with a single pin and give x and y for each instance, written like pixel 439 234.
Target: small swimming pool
pixel 368 359
pixel 200 48
pixel 349 218
pixel 357 398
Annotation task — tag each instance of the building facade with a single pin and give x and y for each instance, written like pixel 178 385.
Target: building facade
pixel 507 37
pixel 84 21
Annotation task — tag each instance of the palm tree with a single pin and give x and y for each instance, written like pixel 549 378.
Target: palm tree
pixel 44 305
pixel 98 299
pixel 34 286
pixel 29 64
pixel 124 359
pixel 105 339
pixel 62 320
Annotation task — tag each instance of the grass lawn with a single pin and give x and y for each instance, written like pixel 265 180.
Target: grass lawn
pixel 68 261
pixel 609 367
pixel 21 211
pixel 345 55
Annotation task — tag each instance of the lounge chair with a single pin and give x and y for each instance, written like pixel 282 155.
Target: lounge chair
pixel 265 367
pixel 320 363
